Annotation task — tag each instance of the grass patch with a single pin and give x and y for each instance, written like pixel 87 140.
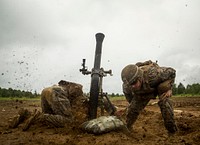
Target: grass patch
pixel 18 98
pixel 117 98
pixel 185 95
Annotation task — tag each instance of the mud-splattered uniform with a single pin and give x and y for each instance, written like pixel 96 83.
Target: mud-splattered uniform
pixel 57 102
pixel 156 81
pixel 61 104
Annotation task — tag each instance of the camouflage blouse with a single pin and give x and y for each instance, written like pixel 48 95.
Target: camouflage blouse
pixel 153 75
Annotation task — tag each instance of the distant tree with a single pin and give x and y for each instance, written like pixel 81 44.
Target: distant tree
pixel 35 94
pixel 0 92
pixel 5 93
pixel 112 95
pixel 196 88
pixel 189 89
pixel 16 93
pixel 193 89
pixel 174 89
pixel 181 89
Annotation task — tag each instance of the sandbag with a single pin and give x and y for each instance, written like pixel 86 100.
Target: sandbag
pixel 102 125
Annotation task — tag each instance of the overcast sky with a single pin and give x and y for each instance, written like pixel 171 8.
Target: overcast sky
pixel 44 41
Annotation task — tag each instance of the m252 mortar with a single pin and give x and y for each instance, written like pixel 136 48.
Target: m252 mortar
pixel 97 96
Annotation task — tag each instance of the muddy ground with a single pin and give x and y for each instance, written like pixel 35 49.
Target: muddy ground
pixel 148 129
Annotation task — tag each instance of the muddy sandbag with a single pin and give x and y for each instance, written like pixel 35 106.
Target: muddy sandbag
pixel 102 125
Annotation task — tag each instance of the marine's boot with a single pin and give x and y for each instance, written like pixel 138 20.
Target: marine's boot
pixel 19 118
pixel 130 122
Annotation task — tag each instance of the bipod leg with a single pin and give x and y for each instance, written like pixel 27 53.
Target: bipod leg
pixel 109 107
pixel 101 104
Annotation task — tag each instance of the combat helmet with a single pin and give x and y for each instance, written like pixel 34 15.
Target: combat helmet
pixel 131 73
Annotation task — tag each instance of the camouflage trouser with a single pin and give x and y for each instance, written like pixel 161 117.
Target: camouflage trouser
pixel 167 114
pixel 136 106
pixel 165 104
pixel 29 118
pixel 56 120
pixel 48 119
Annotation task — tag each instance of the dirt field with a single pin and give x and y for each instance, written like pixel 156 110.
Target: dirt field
pixel 148 129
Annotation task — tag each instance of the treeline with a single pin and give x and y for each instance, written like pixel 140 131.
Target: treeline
pixel 17 93
pixel 193 89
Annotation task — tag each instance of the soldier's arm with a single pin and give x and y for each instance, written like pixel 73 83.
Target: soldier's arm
pixel 167 77
pixel 127 92
pixel 165 88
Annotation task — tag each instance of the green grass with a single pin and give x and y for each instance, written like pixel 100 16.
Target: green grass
pixel 174 96
pixel 117 98
pixel 186 95
pixel 17 98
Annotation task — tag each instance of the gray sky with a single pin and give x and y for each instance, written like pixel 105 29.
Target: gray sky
pixel 44 41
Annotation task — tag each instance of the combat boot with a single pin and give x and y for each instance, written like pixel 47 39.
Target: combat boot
pixel 172 128
pixel 129 125
pixel 19 118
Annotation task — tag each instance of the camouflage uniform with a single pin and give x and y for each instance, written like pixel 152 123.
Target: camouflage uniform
pixel 155 81
pixel 57 102
pixel 61 104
